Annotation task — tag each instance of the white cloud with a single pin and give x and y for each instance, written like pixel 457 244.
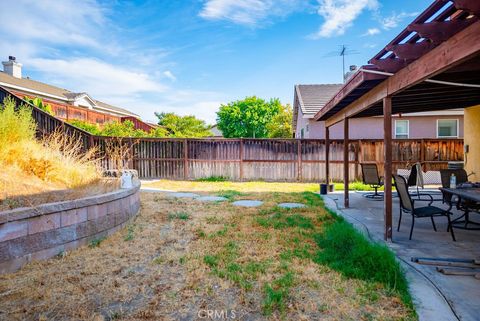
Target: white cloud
pixel 248 12
pixel 67 22
pixel 340 14
pixel 370 45
pixel 394 19
pixel 96 77
pixel 72 44
pixel 133 90
pixel 372 32
pixel 201 104
pixel 169 75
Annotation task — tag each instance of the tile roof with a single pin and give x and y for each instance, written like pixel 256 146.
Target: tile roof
pixel 34 85
pixel 61 93
pixel 312 98
pixel 115 108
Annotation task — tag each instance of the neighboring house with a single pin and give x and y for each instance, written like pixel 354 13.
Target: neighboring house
pixel 66 105
pixel 309 99
pixel 216 133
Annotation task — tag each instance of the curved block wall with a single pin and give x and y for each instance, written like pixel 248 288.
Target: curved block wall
pixel 44 231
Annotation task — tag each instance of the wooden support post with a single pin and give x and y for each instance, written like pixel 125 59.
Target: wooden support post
pixel 185 159
pixel 346 163
pixel 387 147
pixel 327 155
pixel 241 159
pixel 299 160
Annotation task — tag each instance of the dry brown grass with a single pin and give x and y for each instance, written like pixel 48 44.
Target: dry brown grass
pixel 50 170
pixel 247 187
pixel 33 171
pixel 156 270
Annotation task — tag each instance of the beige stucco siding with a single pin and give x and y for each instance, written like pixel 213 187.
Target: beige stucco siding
pixel 372 127
pixel 472 139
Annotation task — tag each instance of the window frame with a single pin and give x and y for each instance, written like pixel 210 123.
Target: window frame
pixel 408 128
pixel 458 127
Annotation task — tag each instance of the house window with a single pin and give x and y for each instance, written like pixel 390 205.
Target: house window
pixel 307 128
pixel 401 128
pixel 302 133
pixel 447 128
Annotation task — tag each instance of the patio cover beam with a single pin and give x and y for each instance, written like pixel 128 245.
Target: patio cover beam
pixel 387 175
pixel 327 156
pixel 346 163
pixel 459 48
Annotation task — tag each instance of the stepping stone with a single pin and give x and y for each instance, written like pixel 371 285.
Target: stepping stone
pixel 184 195
pixel 291 205
pixel 211 199
pixel 247 203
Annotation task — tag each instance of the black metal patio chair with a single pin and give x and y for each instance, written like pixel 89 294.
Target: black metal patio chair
pixel 370 177
pixel 463 205
pixel 407 205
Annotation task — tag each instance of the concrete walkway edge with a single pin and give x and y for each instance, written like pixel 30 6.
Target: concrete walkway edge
pixel 430 303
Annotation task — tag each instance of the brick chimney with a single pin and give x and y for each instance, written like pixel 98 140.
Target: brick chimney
pixel 12 67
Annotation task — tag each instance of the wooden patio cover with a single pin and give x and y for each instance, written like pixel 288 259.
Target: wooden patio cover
pixel 433 64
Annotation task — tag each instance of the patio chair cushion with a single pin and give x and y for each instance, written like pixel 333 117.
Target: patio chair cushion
pixel 427 211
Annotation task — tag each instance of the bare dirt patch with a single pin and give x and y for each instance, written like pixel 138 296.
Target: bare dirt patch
pixel 183 259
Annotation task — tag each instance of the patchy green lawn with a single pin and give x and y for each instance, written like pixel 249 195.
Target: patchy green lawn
pixel 182 258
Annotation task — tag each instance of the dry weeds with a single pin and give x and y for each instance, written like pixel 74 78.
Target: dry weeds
pixel 156 269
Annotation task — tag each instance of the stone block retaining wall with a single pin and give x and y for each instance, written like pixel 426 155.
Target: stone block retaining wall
pixel 44 231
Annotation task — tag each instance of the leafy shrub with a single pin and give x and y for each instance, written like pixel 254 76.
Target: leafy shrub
pixel 93 129
pixel 15 126
pixel 38 102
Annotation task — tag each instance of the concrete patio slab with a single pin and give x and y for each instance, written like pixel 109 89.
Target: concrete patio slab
pixel 437 296
pixel 291 205
pixel 247 203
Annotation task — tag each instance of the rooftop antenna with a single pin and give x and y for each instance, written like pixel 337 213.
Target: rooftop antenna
pixel 342 52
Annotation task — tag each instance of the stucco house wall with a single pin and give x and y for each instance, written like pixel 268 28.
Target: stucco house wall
pixel 472 139
pixel 372 127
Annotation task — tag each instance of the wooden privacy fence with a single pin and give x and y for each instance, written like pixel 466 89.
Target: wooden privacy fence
pixel 277 159
pixel 255 159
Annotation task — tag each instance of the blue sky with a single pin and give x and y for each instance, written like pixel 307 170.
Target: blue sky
pixel 191 56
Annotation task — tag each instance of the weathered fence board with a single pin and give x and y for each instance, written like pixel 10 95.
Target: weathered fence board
pixel 253 159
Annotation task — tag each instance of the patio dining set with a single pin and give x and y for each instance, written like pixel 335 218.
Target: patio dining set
pixel 456 193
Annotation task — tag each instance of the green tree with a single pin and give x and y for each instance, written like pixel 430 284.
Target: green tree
pixel 158 132
pixel 281 123
pixel 183 126
pixel 122 129
pixel 249 117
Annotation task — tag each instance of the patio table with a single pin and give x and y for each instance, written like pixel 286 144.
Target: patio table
pixel 471 196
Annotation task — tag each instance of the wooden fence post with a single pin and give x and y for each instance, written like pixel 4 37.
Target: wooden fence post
pixel 90 141
pixel 299 160
pixel 130 154
pixel 422 155
pixel 357 162
pixel 241 159
pixel 185 159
